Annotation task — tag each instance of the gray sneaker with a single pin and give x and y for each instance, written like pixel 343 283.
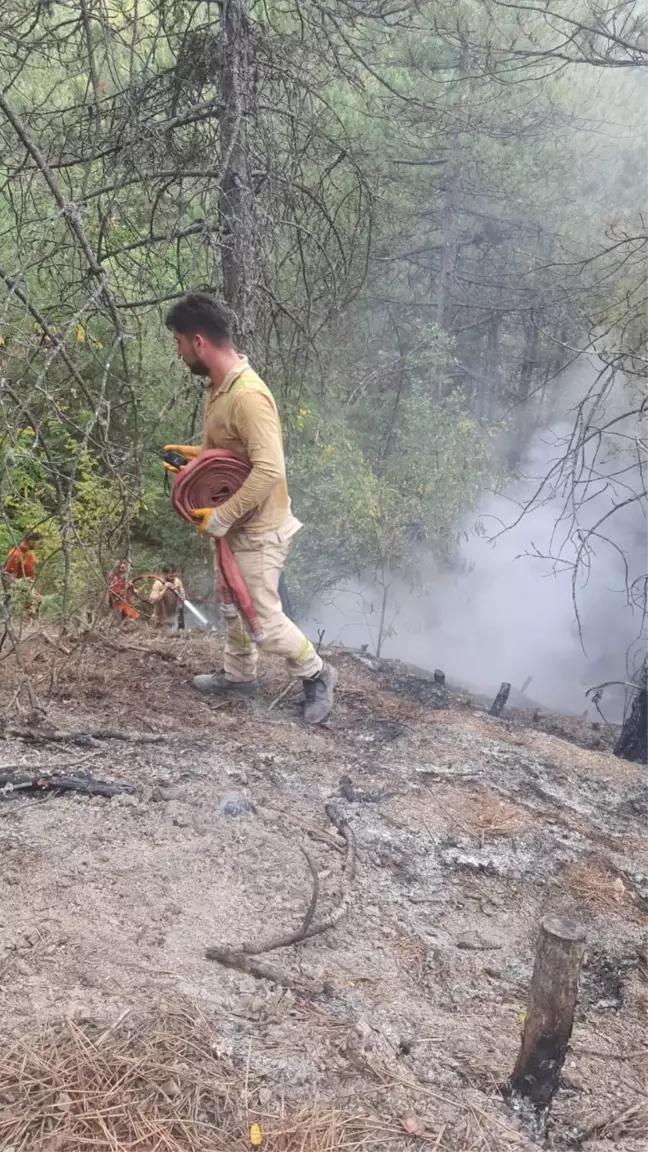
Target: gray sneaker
pixel 318 695
pixel 217 683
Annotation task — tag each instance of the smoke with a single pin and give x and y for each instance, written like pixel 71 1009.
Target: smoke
pixel 507 613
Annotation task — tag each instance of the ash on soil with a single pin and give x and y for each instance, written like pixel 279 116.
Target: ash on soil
pixel 469 830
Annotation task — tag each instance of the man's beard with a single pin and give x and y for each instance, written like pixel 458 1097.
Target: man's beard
pixel 198 368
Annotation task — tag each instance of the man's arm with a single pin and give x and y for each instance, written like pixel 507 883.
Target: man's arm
pixel 257 424
pixel 156 592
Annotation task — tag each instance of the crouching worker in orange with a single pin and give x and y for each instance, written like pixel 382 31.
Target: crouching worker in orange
pixel 167 597
pixel 120 591
pixel 19 573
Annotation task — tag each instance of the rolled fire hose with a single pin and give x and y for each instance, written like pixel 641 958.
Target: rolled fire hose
pixel 207 482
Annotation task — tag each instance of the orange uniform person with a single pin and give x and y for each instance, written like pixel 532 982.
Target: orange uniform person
pixel 21 562
pixel 120 590
pixel 21 565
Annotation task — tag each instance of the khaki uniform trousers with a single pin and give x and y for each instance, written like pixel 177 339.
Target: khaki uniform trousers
pixel 261 557
pixel 165 611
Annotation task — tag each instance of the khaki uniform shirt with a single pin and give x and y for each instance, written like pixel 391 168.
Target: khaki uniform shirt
pixel 157 591
pixel 241 416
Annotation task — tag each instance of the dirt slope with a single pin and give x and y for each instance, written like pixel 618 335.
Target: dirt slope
pixel 468 828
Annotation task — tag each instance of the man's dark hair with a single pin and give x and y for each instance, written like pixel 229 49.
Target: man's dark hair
pixel 168 568
pixel 198 315
pixel 32 538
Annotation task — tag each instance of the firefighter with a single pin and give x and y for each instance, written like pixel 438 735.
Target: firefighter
pixel 19 573
pixel 120 591
pixel 167 597
pixel 241 416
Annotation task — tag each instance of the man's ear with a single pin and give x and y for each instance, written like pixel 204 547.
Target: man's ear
pixel 198 343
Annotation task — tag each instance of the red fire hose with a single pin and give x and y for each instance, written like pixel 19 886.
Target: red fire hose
pixel 206 482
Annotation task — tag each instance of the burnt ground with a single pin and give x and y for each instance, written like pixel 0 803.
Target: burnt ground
pixel 469 830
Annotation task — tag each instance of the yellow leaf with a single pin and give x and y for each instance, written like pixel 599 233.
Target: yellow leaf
pixel 1 341
pixel 80 334
pixel 521 1017
pixel 256 1135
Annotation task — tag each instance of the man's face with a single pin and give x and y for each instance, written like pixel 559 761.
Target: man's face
pixel 189 350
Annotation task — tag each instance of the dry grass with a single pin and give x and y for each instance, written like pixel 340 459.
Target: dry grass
pixel 497 818
pixel 163 1083
pixel 482 813
pixel 594 885
pixel 157 1085
pixel 629 1124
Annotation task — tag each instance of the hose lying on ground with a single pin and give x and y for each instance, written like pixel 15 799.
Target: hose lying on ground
pixel 207 482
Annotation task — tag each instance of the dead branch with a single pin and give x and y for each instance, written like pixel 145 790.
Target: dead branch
pixel 605 1125
pixel 83 784
pixel 83 738
pixel 262 971
pixel 284 692
pixel 239 957
pixel 308 918
pixel 170 657
pixel 313 830
pixel 59 647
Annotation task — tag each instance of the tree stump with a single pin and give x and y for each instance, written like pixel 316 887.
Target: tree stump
pixel 500 700
pixel 550 1014
pixel 633 738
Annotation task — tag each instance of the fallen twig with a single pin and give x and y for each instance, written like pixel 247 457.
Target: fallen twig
pixel 263 971
pixel 170 657
pixel 53 644
pixel 83 784
pixel 313 830
pixel 310 912
pixel 239 957
pixel 114 1026
pixel 608 1124
pixel 281 695
pixel 35 737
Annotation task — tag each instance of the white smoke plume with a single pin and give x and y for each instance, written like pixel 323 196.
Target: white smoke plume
pixel 505 613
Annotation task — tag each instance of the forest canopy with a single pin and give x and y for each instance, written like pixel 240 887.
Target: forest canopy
pixel 420 213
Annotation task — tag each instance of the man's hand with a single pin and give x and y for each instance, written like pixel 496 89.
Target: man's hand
pixel 189 451
pixel 209 523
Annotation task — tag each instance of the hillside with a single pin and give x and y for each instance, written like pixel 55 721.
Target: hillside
pixel 119 1033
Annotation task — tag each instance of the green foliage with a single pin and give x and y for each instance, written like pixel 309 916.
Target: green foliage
pixel 361 517
pixel 438 216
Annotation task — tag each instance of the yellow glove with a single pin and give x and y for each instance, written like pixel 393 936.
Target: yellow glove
pixel 209 523
pixel 189 451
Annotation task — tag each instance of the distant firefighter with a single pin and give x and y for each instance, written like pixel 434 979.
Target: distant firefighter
pixel 120 592
pixel 19 572
pixel 167 597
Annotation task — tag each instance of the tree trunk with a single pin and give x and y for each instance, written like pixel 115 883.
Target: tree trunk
pixel 452 199
pixel 523 421
pixel 633 739
pixel 450 244
pixel 239 236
